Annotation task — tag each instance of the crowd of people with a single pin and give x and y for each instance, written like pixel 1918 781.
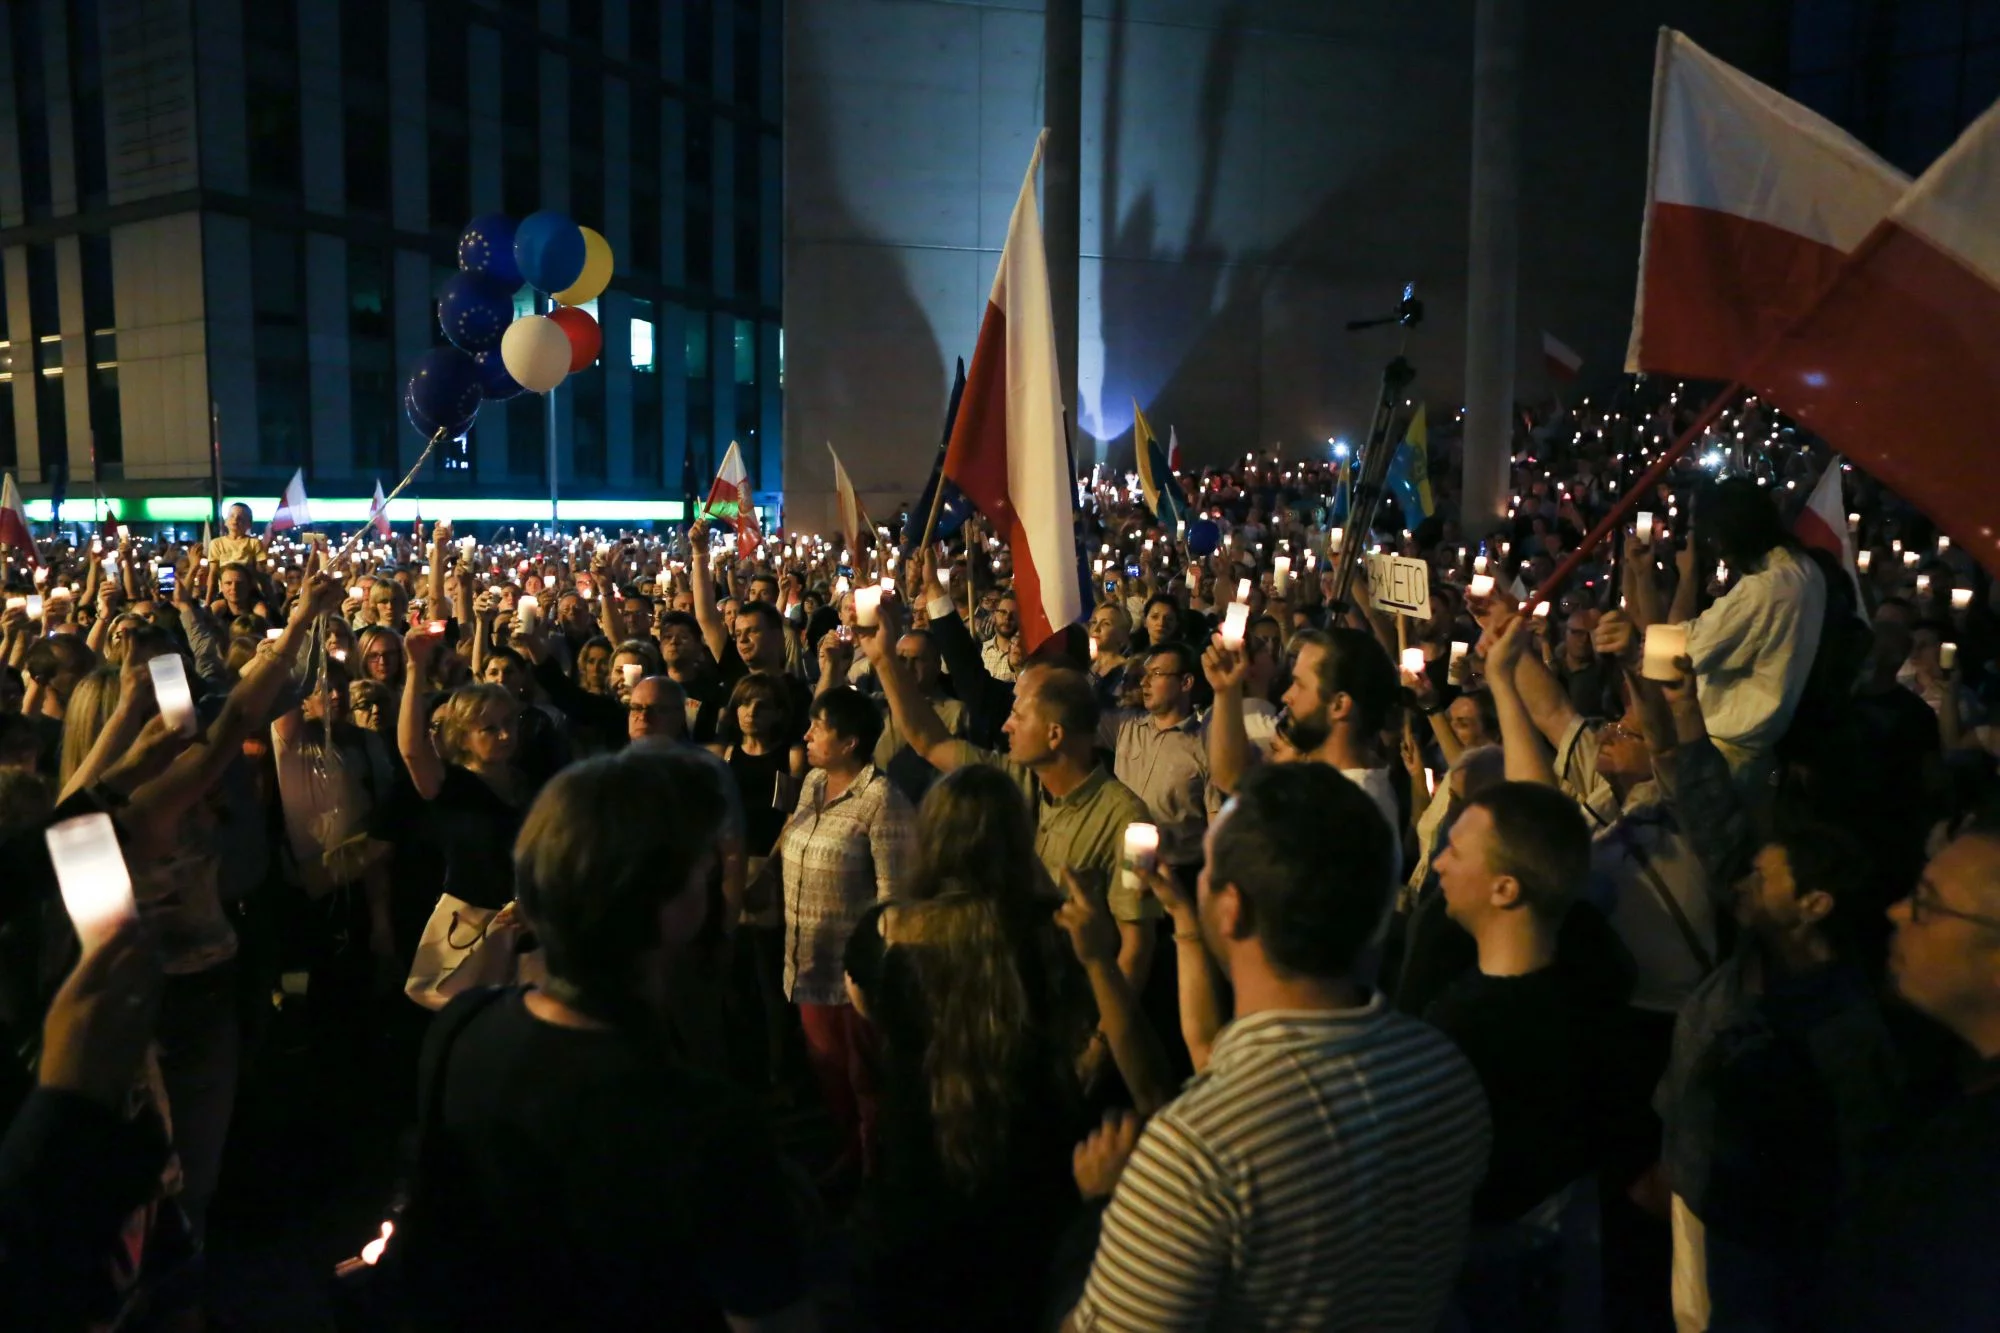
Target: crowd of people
pixel 1491 971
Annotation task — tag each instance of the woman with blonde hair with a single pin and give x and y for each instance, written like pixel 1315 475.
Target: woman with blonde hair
pixel 467 773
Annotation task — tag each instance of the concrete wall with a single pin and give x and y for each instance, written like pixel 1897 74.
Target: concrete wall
pixel 1255 173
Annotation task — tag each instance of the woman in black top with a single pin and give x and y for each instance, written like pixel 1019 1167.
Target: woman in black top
pixel 753 738
pixel 476 791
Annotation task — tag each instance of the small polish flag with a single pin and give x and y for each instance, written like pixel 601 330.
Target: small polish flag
pixel 378 512
pixel 1563 362
pixel 293 511
pixel 14 531
pixel 1822 524
pixel 729 500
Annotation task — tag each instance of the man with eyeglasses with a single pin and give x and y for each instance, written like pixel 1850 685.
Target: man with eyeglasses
pixel 1922 1246
pixel 1160 751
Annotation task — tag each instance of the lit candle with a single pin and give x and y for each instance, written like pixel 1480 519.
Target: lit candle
pixel 1854 522
pixel 437 627
pixel 1947 656
pixel 170 688
pixel 868 607
pixel 1645 528
pixel 1281 573
pixel 1862 559
pixel 1541 611
pixel 1333 540
pixel 1910 559
pixel 1243 590
pixel 90 871
pixel 1458 668
pixel 1944 543
pixel 1142 851
pixel 1479 564
pixel 1961 599
pixel 1234 624
pixel 1923 584
pixel 1481 586
pixel 34 603
pixel 1413 661
pixel 1193 580
pixel 631 671
pixel 1663 644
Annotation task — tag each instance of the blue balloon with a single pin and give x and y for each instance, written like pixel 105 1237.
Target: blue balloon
pixel 549 250
pixel 427 427
pixel 474 311
pixel 495 384
pixel 444 386
pixel 1203 536
pixel 486 247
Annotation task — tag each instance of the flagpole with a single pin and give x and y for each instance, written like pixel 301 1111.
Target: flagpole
pixel 930 524
pixel 554 505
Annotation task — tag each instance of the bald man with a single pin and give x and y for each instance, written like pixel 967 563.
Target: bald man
pixel 1924 1245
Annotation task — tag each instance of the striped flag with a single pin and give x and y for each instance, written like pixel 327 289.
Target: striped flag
pixel 1156 478
pixel 1898 363
pixel 14 532
pixel 1173 451
pixel 1563 361
pixel 1009 452
pixel 293 512
pixel 853 518
pixel 378 512
pixel 1823 524
pixel 1752 203
pixel 729 501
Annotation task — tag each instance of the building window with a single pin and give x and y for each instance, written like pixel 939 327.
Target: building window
pixel 31 96
pixel 700 245
pixel 521 131
pixel 450 172
pixel 277 301
pixel 446 58
pixel 587 453
pixel 647 396
pixel 748 54
pixel 365 149
pixel 86 92
pixel 271 121
pixel 643 35
pixel 364 42
pixel 586 20
pixel 697 345
pixel 746 351
pixel 100 318
pixel 369 307
pixel 586 137
pixel 527 435
pixel 642 336
pixel 698 43
pixel 373 405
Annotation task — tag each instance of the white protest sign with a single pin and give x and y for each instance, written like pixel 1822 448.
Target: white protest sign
pixel 1400 584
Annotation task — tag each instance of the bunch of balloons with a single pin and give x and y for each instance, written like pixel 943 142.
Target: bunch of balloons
pixel 493 355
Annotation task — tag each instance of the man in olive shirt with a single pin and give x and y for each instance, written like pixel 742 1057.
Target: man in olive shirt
pixel 1080 810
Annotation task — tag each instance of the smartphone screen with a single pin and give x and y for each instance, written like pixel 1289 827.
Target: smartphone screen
pixel 90 870
pixel 166 578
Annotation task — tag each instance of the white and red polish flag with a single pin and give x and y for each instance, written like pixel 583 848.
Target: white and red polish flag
pixel 378 512
pixel 293 511
pixel 729 500
pixel 1822 524
pixel 1564 362
pixel 1898 365
pixel 1009 451
pixel 14 531
pixel 1752 204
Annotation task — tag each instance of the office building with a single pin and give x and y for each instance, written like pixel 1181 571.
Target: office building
pixel 237 213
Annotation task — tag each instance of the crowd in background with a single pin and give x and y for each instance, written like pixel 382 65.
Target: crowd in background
pixel 807 951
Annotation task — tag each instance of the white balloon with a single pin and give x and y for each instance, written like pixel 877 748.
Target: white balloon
pixel 535 351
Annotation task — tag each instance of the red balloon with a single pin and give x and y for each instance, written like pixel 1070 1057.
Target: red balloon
pixel 586 340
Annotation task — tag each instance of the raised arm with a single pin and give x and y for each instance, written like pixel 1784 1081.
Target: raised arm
pixel 413 732
pixel 1135 1047
pixel 1526 758
pixel 1643 603
pixel 1687 592
pixel 921 728
pixel 440 538
pixel 701 578
pixel 1230 753
pixel 1201 1005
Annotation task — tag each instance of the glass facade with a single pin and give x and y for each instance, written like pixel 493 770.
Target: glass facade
pixel 1903 76
pixel 308 214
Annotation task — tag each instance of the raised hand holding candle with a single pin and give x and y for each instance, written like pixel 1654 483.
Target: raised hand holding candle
pixel 1413 661
pixel 1281 573
pixel 171 690
pixel 1141 852
pixel 1947 656
pixel 90 870
pixel 868 607
pixel 1235 624
pixel 1664 643
pixel 1481 585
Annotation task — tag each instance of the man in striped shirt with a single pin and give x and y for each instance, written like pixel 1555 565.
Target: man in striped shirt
pixel 1319 1174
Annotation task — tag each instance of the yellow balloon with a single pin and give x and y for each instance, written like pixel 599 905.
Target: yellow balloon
pixel 596 275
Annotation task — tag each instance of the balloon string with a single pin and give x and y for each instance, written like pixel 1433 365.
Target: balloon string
pixel 401 486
